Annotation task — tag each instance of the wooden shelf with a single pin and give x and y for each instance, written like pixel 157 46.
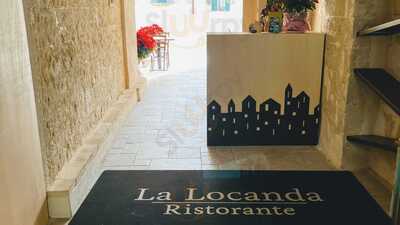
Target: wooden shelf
pixel 385 85
pixel 388 144
pixel 390 28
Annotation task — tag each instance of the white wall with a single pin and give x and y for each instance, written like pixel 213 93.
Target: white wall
pixel 22 188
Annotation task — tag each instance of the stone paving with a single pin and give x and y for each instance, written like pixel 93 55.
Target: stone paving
pixel 166 131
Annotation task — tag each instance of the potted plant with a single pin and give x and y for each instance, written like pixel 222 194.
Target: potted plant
pixel 272 16
pixel 146 43
pixel 296 16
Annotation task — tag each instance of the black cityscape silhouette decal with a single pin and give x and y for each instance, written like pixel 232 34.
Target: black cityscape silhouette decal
pixel 296 126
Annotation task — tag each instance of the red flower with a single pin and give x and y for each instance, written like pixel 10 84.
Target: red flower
pixel 145 35
pixel 151 30
pixel 145 38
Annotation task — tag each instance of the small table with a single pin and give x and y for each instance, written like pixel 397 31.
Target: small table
pixel 229 198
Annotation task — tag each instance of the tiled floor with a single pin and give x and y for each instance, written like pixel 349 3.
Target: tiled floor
pixel 166 131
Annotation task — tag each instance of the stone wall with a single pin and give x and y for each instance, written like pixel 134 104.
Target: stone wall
pixel 366 112
pixel 361 107
pixel 76 52
pixel 388 122
pixel 337 23
pixel 349 106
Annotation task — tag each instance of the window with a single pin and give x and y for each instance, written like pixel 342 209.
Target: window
pixel 221 5
pixel 161 2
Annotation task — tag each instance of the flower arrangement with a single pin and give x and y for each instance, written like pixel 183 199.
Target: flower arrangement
pixel 271 16
pixel 274 5
pixel 297 14
pixel 145 40
pixel 289 6
pixel 299 6
pixel 271 6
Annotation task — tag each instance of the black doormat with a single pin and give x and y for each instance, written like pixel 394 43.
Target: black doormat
pixel 229 198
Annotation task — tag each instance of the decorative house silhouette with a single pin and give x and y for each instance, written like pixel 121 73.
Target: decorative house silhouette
pixel 296 126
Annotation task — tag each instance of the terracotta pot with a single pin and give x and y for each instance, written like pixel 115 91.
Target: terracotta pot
pixel 297 22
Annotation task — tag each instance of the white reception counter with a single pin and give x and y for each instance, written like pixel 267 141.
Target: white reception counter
pixel 264 89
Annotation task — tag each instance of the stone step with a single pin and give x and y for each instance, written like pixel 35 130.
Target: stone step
pixel 78 176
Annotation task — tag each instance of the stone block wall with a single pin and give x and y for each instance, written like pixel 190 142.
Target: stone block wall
pixel 366 113
pixel 349 106
pixel 337 22
pixel 76 52
pixel 388 122
pixel 361 107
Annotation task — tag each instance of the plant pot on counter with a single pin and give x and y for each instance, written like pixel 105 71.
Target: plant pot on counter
pixel 275 22
pixel 296 22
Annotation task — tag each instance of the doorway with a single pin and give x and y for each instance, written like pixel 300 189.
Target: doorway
pixel 188 22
